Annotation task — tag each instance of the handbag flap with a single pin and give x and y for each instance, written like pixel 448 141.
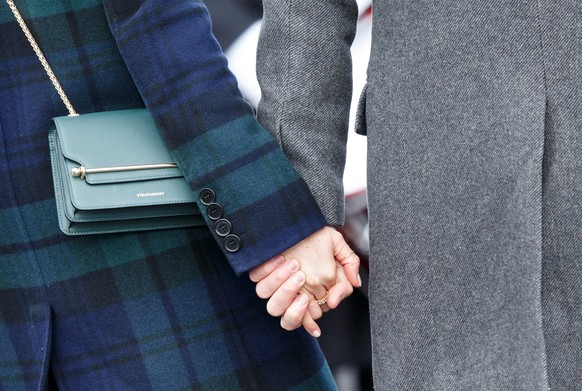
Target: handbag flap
pixel 114 139
pixel 117 139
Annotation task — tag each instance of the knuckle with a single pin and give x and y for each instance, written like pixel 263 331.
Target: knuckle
pixel 327 278
pixel 289 289
pixel 317 314
pixel 312 282
pixel 292 317
pixel 315 310
pixel 331 275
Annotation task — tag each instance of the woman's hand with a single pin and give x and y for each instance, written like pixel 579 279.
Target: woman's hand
pixel 322 267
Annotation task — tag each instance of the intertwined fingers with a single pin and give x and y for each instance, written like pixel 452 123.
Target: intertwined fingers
pixel 266 268
pixel 267 286
pixel 285 294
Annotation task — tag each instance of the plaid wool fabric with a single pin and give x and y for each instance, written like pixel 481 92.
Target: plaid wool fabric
pixel 159 310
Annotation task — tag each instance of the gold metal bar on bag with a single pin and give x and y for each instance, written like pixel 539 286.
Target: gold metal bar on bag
pixel 81 172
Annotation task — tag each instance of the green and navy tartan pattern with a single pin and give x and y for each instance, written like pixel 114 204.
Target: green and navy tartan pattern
pixel 184 80
pixel 153 310
pixel 175 318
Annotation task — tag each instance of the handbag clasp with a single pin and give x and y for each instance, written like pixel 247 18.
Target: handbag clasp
pixel 81 172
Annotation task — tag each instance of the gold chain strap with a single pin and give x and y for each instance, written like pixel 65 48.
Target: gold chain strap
pixel 41 58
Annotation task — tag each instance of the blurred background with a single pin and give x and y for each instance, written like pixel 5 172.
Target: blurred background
pixel 345 338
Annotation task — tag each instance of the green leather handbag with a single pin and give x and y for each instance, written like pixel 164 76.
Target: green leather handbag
pixel 113 173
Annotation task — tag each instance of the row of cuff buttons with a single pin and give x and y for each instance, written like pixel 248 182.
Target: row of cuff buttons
pixel 222 226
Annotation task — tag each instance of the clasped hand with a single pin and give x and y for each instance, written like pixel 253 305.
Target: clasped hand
pixel 321 268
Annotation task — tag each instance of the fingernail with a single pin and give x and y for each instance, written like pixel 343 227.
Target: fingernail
pixel 279 260
pixel 317 334
pixel 292 265
pixel 303 299
pixel 359 280
pixel 299 278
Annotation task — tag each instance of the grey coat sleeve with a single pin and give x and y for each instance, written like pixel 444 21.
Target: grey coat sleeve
pixel 304 69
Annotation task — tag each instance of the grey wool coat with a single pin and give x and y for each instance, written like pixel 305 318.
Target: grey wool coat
pixel 473 117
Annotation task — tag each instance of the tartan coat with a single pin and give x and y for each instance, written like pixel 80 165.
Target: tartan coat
pixel 151 310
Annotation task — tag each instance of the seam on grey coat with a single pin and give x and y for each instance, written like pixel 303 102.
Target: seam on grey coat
pixel 286 81
pixel 539 309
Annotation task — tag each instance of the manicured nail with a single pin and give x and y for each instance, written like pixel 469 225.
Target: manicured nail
pixel 359 280
pixel 299 278
pixel 292 265
pixel 317 334
pixel 303 299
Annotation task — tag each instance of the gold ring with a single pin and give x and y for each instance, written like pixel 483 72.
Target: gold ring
pixel 322 301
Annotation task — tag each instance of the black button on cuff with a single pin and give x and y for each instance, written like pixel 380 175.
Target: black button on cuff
pixel 232 243
pixel 207 196
pixel 214 211
pixel 223 227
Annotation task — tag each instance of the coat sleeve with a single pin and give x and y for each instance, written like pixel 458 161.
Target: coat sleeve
pixel 304 69
pixel 233 164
